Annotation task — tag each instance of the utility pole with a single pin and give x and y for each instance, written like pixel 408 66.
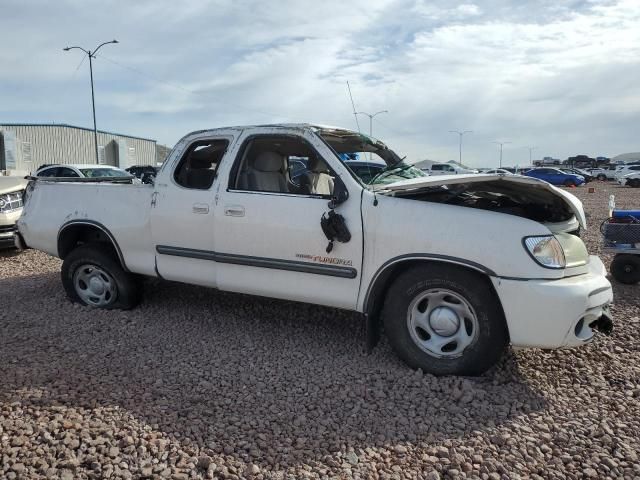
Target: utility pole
pixel 460 134
pixel 501 145
pixel 92 54
pixel 371 123
pixel 531 149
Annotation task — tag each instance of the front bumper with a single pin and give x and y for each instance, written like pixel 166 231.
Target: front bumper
pixel 556 313
pixel 8 227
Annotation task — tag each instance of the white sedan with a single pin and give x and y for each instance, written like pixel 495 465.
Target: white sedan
pixel 81 171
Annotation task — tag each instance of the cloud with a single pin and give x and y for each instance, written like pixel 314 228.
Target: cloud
pixel 560 75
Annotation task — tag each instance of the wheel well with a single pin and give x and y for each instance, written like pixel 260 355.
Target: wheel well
pixel 378 291
pixel 74 235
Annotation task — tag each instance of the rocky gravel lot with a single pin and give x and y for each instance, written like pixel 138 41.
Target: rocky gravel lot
pixel 202 384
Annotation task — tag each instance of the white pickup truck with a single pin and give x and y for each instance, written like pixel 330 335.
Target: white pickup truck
pixel 454 267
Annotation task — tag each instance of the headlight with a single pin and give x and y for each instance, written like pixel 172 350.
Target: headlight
pixel 10 202
pixel 546 250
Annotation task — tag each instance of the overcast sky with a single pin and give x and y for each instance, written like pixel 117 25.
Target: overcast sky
pixel 563 76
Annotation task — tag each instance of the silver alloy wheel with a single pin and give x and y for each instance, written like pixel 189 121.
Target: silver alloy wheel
pixel 94 286
pixel 442 323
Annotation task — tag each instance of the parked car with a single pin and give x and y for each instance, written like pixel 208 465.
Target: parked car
pixel 578 171
pixel 497 171
pixel 622 170
pixel 630 180
pixel 598 173
pixel 11 198
pixel 381 173
pixel 449 169
pixel 224 213
pixel 145 173
pixel 366 171
pixel 82 171
pixel 555 176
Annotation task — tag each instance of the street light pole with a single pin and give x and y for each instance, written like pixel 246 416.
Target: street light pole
pixel 371 123
pixel 501 145
pixel 460 134
pixel 93 99
pixel 531 149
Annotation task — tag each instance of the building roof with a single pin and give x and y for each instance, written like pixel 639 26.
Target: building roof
pixel 71 126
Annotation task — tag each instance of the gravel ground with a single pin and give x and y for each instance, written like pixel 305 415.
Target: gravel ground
pixel 202 384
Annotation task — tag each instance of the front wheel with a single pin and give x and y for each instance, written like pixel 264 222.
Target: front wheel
pixel 445 320
pixel 92 276
pixel 602 177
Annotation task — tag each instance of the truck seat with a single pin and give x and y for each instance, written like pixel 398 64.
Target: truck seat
pixel 317 180
pixel 266 173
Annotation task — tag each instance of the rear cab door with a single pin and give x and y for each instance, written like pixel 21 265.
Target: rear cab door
pixel 183 208
pixel 269 240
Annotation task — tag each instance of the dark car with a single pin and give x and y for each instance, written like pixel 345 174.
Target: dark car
pixel 556 176
pixel 366 171
pixel 146 173
pixel 577 171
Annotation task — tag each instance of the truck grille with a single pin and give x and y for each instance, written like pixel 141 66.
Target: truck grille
pixel 7 229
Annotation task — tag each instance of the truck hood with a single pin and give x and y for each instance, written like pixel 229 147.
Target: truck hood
pixel 520 186
pixel 12 184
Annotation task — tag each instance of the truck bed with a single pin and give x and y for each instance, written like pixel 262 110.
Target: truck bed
pixel 55 203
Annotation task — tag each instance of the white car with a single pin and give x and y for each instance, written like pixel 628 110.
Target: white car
pixel 630 180
pixel 498 171
pixel 11 192
pixel 456 267
pixel 82 171
pixel 449 169
pixel 602 173
pixel 622 170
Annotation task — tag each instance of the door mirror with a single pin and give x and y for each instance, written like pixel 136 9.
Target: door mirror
pixel 340 193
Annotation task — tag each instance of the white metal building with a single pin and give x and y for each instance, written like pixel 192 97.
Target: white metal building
pixel 24 147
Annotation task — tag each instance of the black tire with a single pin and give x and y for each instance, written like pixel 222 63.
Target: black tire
pixel 634 182
pixel 602 177
pixel 625 268
pixel 569 183
pixel 490 339
pixel 128 289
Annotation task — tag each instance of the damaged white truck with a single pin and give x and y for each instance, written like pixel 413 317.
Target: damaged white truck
pixel 454 268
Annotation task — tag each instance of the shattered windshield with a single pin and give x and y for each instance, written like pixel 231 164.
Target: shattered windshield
pixel 371 161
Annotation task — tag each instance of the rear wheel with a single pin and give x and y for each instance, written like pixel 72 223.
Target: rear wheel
pixel 625 268
pixel 93 276
pixel 602 176
pixel 445 320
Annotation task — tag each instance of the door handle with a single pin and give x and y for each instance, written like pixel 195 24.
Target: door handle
pixel 202 208
pixel 234 210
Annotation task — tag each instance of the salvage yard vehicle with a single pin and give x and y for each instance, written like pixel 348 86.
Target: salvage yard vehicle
pixel 11 190
pixel 630 180
pixel 454 267
pixel 555 176
pixel 82 171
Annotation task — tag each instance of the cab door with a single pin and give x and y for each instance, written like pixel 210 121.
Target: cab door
pixel 183 214
pixel 269 240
